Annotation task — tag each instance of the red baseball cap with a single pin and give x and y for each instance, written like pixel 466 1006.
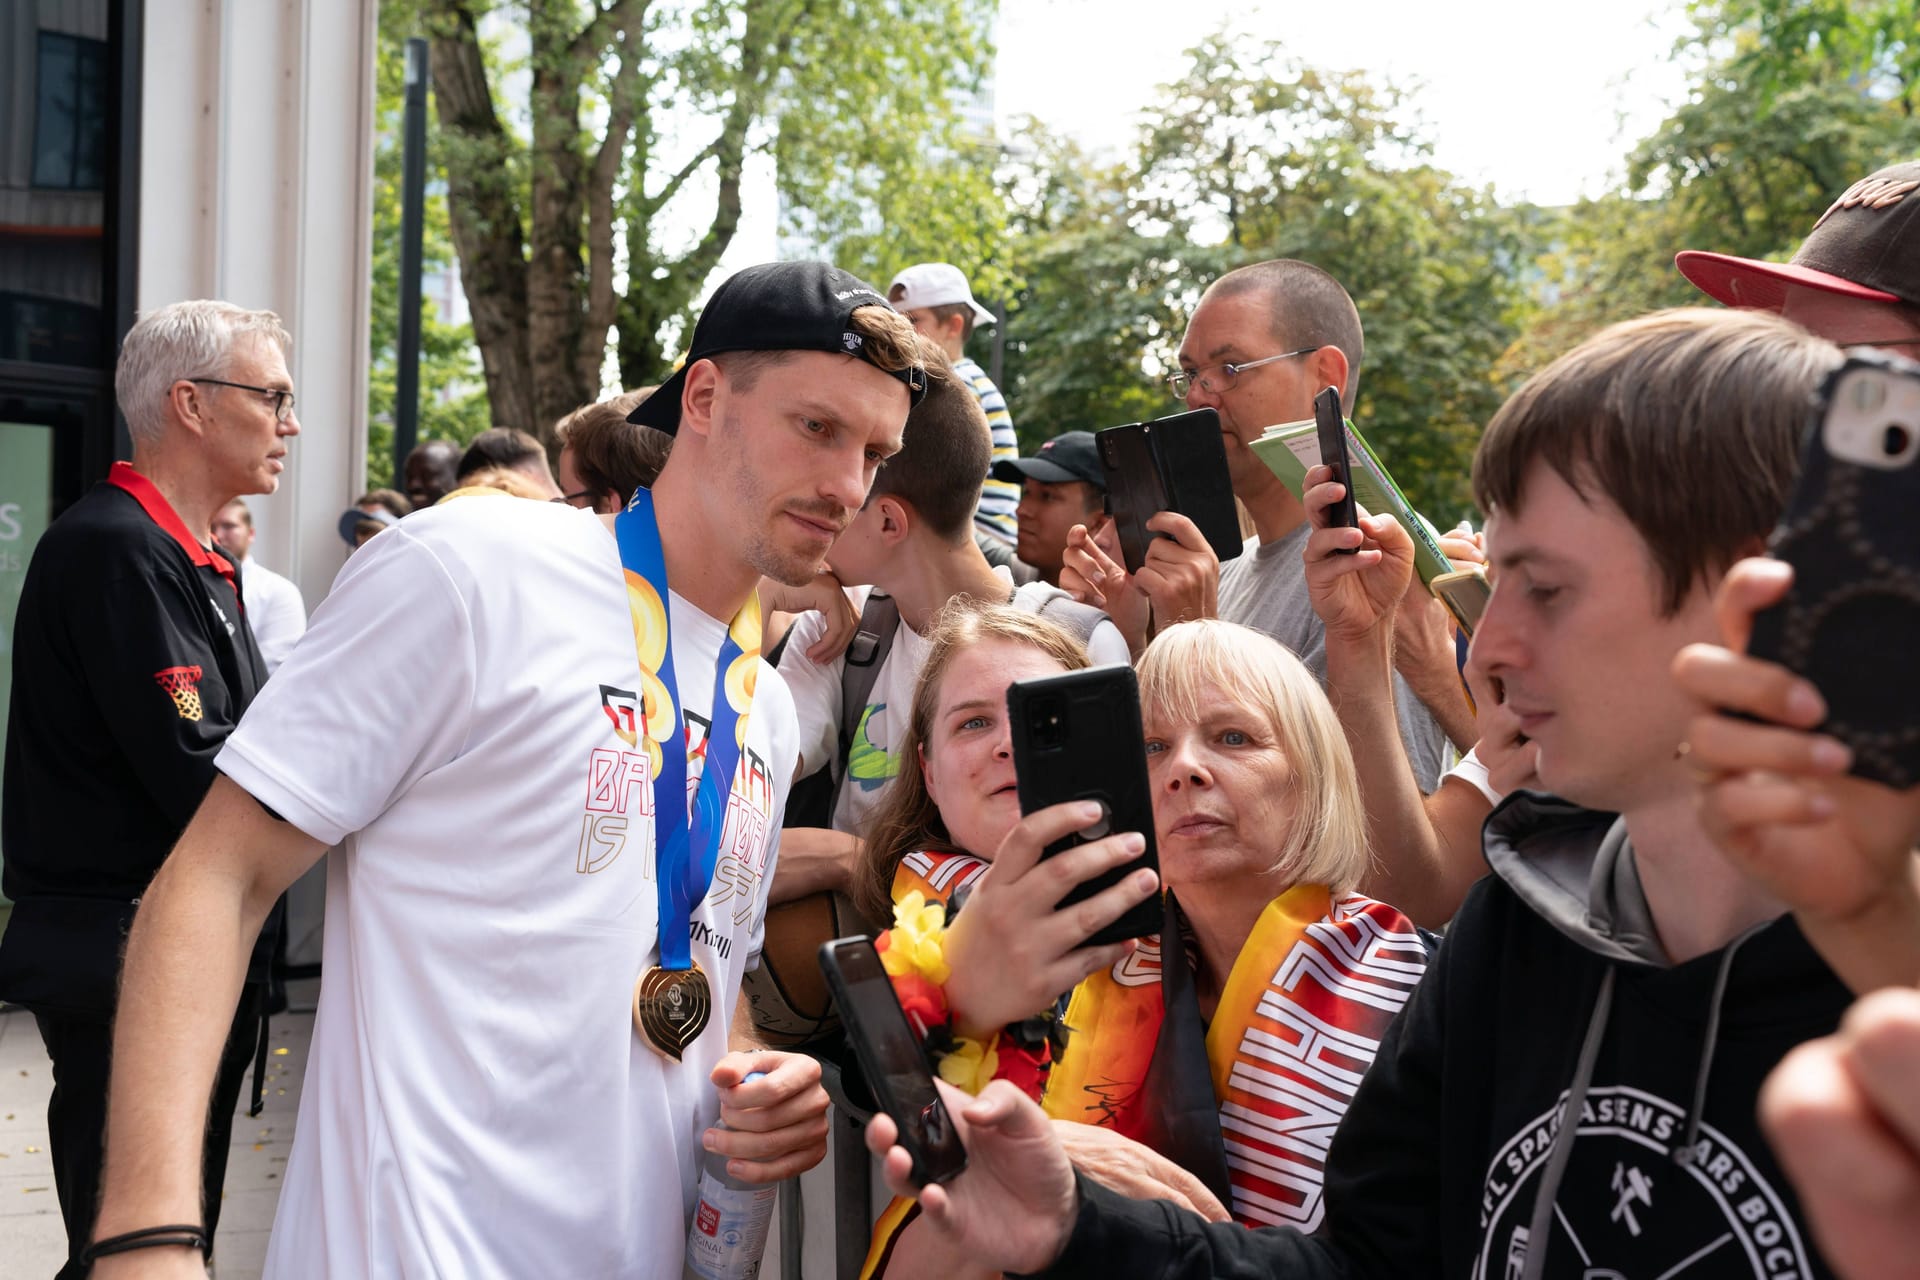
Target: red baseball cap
pixel 1866 245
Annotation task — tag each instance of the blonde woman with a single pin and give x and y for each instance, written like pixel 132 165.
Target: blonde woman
pixel 1231 1045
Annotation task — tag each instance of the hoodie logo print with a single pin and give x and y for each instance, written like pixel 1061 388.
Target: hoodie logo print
pixel 1717 1212
pixel 1632 1185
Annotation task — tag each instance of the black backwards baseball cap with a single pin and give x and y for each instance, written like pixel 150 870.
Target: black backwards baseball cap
pixel 1866 245
pixel 1072 456
pixel 777 306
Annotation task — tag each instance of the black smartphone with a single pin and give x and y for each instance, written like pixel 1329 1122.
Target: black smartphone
pixel 1331 427
pixel 1178 464
pixel 1851 622
pixel 892 1058
pixel 1077 737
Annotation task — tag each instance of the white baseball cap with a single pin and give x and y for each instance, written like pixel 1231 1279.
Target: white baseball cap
pixel 936 284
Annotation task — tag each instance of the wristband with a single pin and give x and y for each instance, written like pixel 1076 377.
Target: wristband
pixel 149 1238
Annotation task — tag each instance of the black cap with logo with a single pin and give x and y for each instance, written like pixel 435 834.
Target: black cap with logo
pixel 1071 456
pixel 1866 245
pixel 777 306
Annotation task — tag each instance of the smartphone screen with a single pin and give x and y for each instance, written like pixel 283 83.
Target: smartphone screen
pixel 892 1057
pixel 1332 430
pixel 1077 737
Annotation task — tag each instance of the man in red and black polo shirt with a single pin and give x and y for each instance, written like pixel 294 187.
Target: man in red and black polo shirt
pixel 132 662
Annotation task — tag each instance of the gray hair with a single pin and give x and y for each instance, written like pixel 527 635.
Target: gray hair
pixel 183 340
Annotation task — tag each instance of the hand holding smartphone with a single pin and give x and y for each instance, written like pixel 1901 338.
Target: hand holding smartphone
pixel 1176 463
pixel 1851 622
pixel 1077 737
pixel 892 1058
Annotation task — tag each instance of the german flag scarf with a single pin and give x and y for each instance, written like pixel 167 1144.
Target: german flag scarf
pixel 1297 1025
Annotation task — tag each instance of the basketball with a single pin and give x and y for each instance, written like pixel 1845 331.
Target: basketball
pixel 787 994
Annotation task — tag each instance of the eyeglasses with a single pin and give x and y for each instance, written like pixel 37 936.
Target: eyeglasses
pixel 568 498
pixel 1220 377
pixel 282 400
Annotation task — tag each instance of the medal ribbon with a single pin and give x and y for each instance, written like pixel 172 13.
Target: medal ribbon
pixel 686 834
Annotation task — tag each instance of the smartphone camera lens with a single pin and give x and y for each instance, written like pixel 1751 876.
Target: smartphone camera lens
pixel 1896 441
pixel 1050 724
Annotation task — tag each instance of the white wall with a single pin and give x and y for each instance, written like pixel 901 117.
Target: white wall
pixel 256 187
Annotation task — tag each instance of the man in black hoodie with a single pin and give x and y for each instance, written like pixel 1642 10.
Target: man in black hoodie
pixel 1571 1090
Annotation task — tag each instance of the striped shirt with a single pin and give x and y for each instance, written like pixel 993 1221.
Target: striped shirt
pixel 998 499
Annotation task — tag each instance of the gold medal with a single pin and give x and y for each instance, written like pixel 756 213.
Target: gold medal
pixel 671 1008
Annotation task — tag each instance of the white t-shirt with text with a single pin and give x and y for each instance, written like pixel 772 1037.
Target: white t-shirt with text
pixel 458 720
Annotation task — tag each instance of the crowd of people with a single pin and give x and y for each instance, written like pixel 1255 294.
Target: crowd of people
pixel 1577 950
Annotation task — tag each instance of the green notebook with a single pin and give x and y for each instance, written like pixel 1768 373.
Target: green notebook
pixel 1290 448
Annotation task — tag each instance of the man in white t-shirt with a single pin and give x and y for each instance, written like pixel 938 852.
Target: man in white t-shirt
pixel 478 717
pixel 912 541
pixel 276 610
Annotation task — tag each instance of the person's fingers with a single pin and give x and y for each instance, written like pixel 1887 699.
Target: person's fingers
pixel 1002 1106
pixel 785 1113
pixel 768 1146
pixel 1747 801
pixel 791 1165
pixel 881 1134
pixel 1324 543
pixel 1052 878
pixel 896 1170
pixel 783 1075
pixel 1750 586
pixel 1071 926
pixel 1827 1133
pixel 1885 1030
pixel 1722 744
pixel 1184 532
pixel 1022 847
pixel 1730 681
pixel 1319 498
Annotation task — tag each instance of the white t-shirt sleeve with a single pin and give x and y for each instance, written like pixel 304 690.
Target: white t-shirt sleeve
pixel 1474 774
pixel 1107 647
pixel 285 621
pixel 378 692
pixel 815 689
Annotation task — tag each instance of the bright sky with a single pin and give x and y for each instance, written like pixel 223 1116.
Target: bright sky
pixel 1541 99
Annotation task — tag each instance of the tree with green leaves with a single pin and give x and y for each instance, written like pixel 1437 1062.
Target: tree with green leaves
pixel 630 159
pixel 1252 155
pixel 453 403
pixel 1789 103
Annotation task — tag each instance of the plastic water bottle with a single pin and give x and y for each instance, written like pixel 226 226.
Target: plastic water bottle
pixel 730 1221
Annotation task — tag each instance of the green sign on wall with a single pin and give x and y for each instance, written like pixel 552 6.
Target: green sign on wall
pixel 26 506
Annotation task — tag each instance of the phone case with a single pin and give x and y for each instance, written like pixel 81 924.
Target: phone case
pixel 1851 621
pixel 1077 737
pixel 892 1058
pixel 1177 463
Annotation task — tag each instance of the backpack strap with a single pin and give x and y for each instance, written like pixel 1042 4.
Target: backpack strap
pixel 879 623
pixel 1070 615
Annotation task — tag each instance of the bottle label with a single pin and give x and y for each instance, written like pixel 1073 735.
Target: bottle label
pixel 729 1230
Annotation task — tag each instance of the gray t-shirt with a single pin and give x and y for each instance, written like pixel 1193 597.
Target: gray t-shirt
pixel 1265 588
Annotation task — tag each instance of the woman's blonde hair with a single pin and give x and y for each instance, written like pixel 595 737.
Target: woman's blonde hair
pixel 907 819
pixel 1327 841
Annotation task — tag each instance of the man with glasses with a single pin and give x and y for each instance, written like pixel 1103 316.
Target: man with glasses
pixel 1855 280
pixel 132 662
pixel 1263 342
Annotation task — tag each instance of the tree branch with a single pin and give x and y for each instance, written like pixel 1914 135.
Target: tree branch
pixel 623 106
pixel 598 33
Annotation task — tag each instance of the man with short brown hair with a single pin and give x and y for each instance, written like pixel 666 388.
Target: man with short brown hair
pixel 550 763
pixel 603 457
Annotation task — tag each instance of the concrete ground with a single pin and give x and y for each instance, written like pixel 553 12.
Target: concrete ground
pixel 32 1240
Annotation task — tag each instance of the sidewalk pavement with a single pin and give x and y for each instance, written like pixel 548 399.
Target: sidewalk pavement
pixel 32 1240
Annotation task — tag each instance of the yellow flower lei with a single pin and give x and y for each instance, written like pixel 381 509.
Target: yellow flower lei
pixel 917 943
